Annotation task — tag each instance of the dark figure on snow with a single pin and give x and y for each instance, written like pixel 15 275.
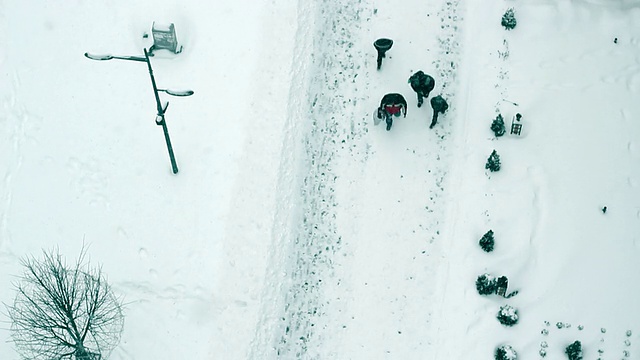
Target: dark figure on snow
pixel 382 45
pixel 439 105
pixel 392 105
pixel 422 84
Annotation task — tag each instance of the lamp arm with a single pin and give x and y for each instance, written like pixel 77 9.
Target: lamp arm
pixel 153 82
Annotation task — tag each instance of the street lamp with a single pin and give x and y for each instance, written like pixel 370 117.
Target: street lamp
pixel 160 120
pixel 177 92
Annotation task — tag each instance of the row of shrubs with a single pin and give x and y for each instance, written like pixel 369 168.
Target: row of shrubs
pixel 487 284
pixel 506 352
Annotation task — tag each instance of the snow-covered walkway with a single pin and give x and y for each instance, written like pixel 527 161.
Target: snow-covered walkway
pixel 363 269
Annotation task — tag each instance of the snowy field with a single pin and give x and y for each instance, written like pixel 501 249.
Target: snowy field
pixel 295 228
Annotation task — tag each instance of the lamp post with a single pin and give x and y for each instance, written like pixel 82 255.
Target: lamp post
pixel 161 110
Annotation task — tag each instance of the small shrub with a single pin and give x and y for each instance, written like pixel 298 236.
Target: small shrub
pixel 509 19
pixel 508 315
pixel 486 284
pixel 493 162
pixel 497 126
pixel 506 352
pixel 542 353
pixel 486 242
pixel 574 351
pixel 543 349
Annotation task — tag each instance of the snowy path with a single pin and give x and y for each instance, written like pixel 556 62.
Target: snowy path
pixel 364 263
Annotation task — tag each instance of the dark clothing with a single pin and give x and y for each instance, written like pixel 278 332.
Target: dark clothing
pixel 392 104
pixel 439 105
pixel 422 84
pixel 380 57
pixel 382 45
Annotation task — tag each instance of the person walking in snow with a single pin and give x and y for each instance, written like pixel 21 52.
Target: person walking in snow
pixel 392 105
pixel 382 46
pixel 422 84
pixel 439 105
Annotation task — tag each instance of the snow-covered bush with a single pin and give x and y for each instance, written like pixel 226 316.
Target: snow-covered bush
pixel 543 349
pixel 497 126
pixel 506 352
pixel 508 315
pixel 486 242
pixel 486 284
pixel 509 19
pixel 574 351
pixel 493 162
pixel 542 353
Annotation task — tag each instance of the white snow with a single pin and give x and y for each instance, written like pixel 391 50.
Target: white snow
pixel 297 229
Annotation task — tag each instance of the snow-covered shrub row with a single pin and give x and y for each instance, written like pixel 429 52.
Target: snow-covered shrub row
pixel 543 349
pixel 574 350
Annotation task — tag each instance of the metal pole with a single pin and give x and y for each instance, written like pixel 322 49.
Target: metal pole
pixel 160 117
pixel 174 165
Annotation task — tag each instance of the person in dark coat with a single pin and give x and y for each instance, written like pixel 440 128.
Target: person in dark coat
pixel 439 105
pixel 422 84
pixel 392 105
pixel 382 46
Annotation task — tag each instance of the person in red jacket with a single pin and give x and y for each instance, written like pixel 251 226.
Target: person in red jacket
pixel 392 104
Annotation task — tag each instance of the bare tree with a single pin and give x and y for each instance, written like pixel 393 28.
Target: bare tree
pixel 64 312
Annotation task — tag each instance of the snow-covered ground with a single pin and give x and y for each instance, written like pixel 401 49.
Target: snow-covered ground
pixel 297 229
